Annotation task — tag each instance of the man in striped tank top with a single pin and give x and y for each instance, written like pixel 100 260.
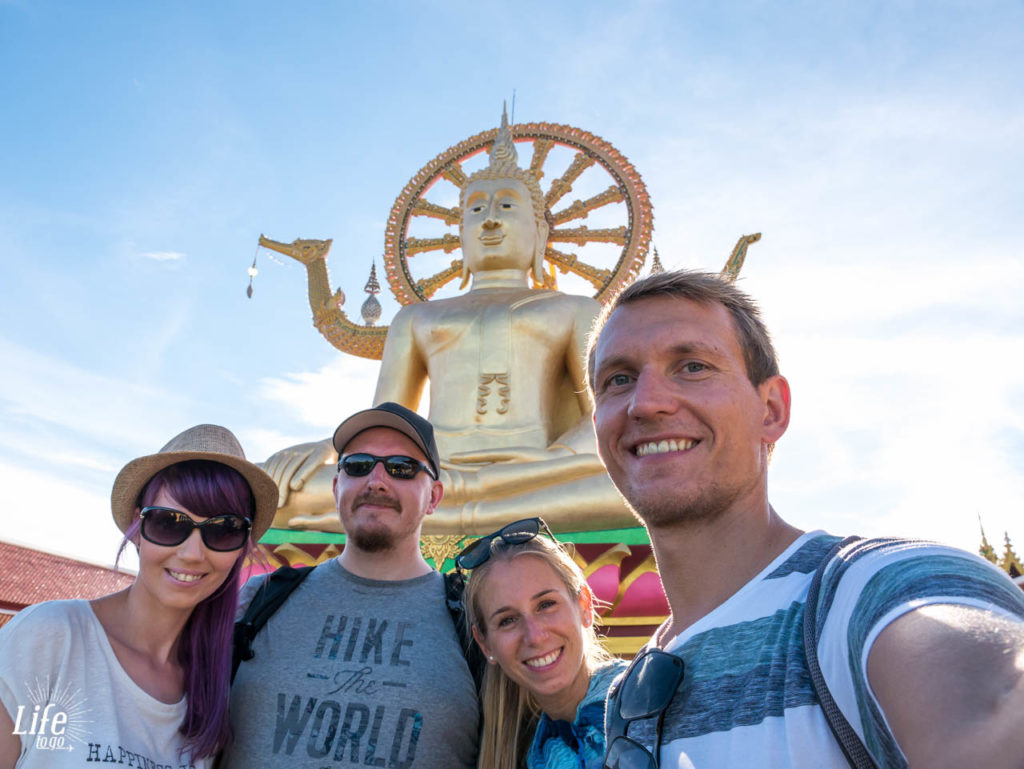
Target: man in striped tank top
pixel 921 645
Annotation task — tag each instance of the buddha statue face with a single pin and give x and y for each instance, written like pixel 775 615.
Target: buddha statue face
pixel 499 228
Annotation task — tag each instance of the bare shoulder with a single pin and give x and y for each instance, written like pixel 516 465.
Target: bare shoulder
pixel 954 671
pixel 582 308
pixel 407 313
pixel 583 303
pixel 400 336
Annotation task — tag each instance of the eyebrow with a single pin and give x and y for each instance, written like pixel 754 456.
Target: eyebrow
pixel 682 348
pixel 477 194
pixel 678 350
pixel 534 597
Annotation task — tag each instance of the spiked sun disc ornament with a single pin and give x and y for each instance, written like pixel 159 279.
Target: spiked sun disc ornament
pixel 624 200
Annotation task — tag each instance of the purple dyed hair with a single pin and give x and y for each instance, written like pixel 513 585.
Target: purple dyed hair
pixel 206 489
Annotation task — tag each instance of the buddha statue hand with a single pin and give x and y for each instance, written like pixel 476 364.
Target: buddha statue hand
pixel 293 467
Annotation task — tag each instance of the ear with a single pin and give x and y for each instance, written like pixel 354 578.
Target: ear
pixel 587 605
pixel 478 637
pixel 334 491
pixel 538 252
pixel 465 266
pixel 775 395
pixel 436 492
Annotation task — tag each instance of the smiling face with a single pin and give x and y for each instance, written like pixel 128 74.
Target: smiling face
pixel 180 576
pixel 499 229
pixel 680 427
pixel 378 511
pixel 535 630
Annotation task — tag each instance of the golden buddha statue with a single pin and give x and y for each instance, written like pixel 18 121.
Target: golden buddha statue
pixel 505 363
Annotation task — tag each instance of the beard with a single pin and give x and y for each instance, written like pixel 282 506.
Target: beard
pixel 667 511
pixel 373 541
pixel 374 537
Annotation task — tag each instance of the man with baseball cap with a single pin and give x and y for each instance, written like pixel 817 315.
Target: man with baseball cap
pixel 362 664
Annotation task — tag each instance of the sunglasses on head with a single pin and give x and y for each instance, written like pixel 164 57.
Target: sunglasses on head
pixel 396 465
pixel 645 691
pixel 168 527
pixel 477 553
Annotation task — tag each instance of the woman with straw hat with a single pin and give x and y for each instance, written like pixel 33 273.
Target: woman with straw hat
pixel 141 677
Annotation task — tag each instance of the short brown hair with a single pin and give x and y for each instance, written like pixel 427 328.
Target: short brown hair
pixel 703 288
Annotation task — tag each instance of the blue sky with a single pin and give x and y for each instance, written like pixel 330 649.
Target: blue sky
pixel 144 148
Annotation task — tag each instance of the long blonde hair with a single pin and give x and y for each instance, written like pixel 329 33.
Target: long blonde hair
pixel 510 713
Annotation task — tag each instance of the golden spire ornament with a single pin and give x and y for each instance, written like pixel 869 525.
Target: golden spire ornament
pixel 371 308
pixel 656 266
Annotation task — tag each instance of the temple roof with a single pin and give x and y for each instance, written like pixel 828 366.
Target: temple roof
pixel 30 576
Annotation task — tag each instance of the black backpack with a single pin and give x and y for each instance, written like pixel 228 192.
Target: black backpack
pixel 280 584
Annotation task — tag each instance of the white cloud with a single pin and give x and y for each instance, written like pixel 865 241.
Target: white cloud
pixel 915 435
pixel 42 396
pixel 64 433
pixel 321 399
pixel 318 400
pixel 164 256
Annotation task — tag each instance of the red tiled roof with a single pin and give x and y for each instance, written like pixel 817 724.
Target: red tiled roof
pixel 30 576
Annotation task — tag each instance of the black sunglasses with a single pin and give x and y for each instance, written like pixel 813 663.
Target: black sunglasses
pixel 168 527
pixel 396 465
pixel 646 690
pixel 516 533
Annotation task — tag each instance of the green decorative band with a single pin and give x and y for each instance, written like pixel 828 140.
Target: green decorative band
pixel 636 535
pixel 299 537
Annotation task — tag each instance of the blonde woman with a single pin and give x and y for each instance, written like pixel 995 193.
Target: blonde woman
pixel 532 614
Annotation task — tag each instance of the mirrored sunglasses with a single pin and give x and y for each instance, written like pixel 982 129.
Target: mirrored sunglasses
pixel 397 466
pixel 478 552
pixel 645 690
pixel 168 527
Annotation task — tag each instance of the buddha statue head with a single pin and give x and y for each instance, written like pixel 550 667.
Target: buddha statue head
pixel 507 201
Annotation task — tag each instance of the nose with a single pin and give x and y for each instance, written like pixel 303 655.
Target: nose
pixel 493 219
pixel 535 631
pixel 192 548
pixel 652 396
pixel 378 477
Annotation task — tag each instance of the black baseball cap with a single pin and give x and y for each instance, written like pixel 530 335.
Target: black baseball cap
pixel 397 417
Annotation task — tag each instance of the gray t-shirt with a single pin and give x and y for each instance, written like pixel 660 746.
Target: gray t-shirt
pixel 356 672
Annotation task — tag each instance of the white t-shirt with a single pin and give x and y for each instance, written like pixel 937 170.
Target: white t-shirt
pixel 746 699
pixel 72 703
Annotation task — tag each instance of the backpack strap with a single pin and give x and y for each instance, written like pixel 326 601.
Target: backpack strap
pixel 275 590
pixel 851 745
pixel 268 599
pixel 454 587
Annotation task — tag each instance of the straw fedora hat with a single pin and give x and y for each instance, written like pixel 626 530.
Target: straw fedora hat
pixel 210 442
